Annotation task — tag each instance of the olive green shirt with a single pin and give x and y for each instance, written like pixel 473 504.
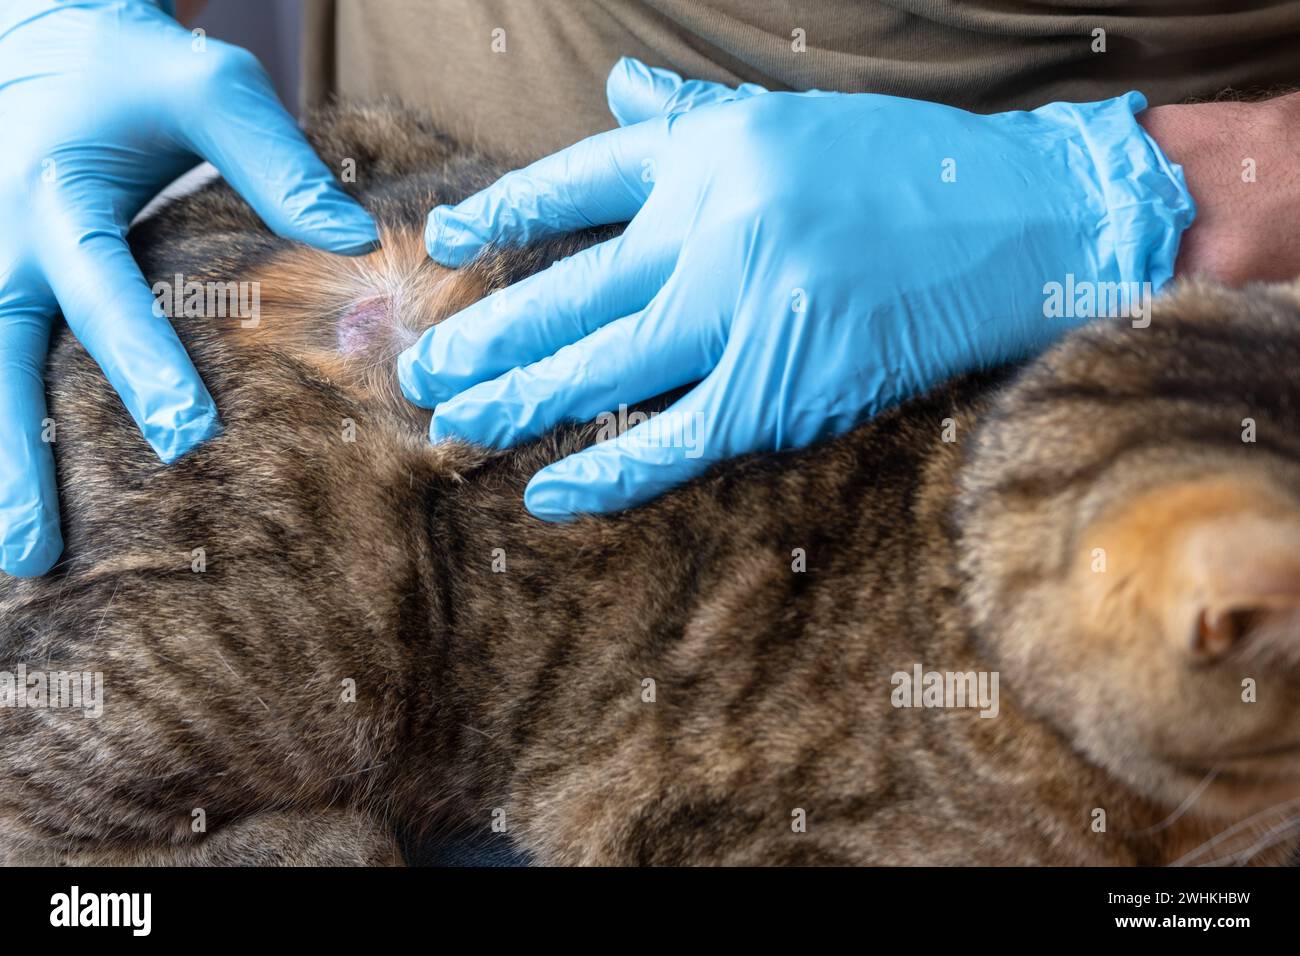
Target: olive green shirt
pixel 526 77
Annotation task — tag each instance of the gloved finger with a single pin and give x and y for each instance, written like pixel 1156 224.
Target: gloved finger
pixel 110 310
pixel 642 463
pixel 636 92
pixel 532 319
pixel 261 152
pixel 634 358
pixel 30 540
pixel 602 179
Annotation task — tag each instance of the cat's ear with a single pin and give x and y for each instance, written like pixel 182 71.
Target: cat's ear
pixel 1239 584
pixel 1215 561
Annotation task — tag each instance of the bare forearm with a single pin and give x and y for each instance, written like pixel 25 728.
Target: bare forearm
pixel 1242 163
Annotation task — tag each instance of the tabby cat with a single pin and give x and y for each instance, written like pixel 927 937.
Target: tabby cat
pixel 318 631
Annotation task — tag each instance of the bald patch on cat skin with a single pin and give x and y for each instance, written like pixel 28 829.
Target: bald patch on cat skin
pixel 371 559
pixel 363 322
pixel 351 316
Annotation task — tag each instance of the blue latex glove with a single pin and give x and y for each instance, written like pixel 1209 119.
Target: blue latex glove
pixel 102 104
pixel 804 258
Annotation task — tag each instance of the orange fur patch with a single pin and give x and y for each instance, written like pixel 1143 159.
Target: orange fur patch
pixel 1208 547
pixel 349 317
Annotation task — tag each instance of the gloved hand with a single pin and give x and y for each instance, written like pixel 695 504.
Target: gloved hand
pixel 808 259
pixel 102 104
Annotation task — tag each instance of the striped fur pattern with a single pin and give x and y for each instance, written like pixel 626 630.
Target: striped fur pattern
pixel 318 632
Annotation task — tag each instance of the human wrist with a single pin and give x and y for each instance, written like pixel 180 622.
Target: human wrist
pixel 1240 163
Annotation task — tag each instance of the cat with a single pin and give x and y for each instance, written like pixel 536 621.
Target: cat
pixel 319 632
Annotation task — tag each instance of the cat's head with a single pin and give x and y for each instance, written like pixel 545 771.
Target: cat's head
pixel 1130 525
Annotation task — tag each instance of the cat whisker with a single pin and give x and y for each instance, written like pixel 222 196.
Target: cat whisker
pixel 1275 835
pixel 1182 808
pixel 1212 842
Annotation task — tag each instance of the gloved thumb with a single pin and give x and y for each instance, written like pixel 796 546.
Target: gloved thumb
pixel 637 92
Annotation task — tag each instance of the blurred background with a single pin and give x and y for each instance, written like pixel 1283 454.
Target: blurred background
pixel 269 28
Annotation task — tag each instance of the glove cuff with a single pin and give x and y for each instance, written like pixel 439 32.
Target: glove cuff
pixel 1147 203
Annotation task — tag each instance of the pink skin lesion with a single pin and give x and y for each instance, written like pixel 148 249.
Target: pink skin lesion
pixel 364 324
